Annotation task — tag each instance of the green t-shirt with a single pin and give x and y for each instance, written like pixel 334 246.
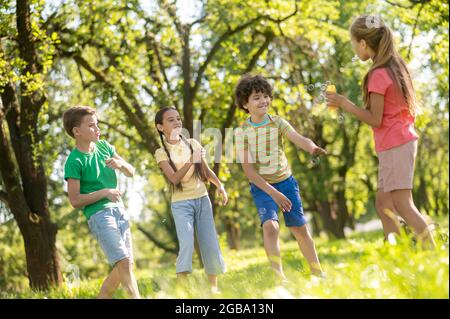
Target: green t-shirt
pixel 94 175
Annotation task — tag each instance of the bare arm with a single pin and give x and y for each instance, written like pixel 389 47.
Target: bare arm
pixel 255 178
pixel 175 177
pixel 212 177
pixel 80 200
pixel 372 116
pixel 117 162
pixel 305 143
pixel 249 170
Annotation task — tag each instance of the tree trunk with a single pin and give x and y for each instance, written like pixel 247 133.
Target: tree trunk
pixel 188 96
pixel 26 190
pixel 329 218
pixel 233 234
pixel 343 215
pixel 233 229
pixel 38 233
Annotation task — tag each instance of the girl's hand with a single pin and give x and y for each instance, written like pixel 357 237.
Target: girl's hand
pixel 316 150
pixel 334 99
pixel 114 163
pixel 197 155
pixel 223 194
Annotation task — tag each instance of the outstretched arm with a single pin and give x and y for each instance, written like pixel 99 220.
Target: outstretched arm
pixel 372 116
pixel 305 143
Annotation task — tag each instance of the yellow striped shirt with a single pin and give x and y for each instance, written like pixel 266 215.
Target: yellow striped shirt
pixel 265 145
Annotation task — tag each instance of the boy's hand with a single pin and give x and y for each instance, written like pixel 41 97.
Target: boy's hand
pixel 316 150
pixel 282 201
pixel 221 191
pixel 113 194
pixel 114 163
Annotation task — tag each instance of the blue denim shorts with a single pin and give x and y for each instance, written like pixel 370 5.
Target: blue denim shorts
pixel 268 209
pixel 111 228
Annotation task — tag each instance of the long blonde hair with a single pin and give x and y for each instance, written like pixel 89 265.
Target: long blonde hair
pixel 379 38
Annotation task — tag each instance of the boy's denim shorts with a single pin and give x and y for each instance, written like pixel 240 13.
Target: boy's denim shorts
pixel 268 209
pixel 111 228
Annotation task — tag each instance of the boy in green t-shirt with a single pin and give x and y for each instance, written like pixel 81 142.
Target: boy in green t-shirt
pixel 92 184
pixel 259 145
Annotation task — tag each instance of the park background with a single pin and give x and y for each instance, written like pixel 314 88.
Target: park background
pixel 130 58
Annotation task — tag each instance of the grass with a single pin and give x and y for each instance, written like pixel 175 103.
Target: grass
pixel 362 266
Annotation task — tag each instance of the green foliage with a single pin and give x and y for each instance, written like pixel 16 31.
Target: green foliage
pixel 134 57
pixel 362 267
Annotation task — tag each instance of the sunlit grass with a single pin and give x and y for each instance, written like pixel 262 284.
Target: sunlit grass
pixel 362 266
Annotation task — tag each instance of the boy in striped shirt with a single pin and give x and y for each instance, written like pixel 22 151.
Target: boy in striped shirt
pixel 259 145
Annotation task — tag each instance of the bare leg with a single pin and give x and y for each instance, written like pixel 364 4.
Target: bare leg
pixel 272 246
pixel 109 285
pixel 387 213
pixel 213 282
pixel 306 244
pixel 127 279
pixel 405 206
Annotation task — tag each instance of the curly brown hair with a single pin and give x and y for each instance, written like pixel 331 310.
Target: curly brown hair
pixel 249 84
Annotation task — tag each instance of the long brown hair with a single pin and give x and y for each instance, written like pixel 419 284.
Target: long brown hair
pixel 379 38
pixel 200 169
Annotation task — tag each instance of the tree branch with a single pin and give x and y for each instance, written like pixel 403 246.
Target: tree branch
pixel 216 47
pixel 4 197
pixel 10 178
pixel 135 116
pixel 172 13
pixel 157 242
pixel 152 46
pixel 269 36
pixel 414 30
pixel 121 132
pixel 228 34
pixel 412 3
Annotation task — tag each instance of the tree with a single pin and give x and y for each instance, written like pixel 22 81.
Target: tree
pixel 173 70
pixel 24 63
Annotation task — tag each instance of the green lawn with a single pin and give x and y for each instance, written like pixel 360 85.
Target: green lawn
pixel 362 266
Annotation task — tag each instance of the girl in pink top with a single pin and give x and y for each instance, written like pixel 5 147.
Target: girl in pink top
pixel 390 109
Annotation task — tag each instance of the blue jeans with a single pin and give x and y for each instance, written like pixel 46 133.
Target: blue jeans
pixel 111 228
pixel 268 209
pixel 197 213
